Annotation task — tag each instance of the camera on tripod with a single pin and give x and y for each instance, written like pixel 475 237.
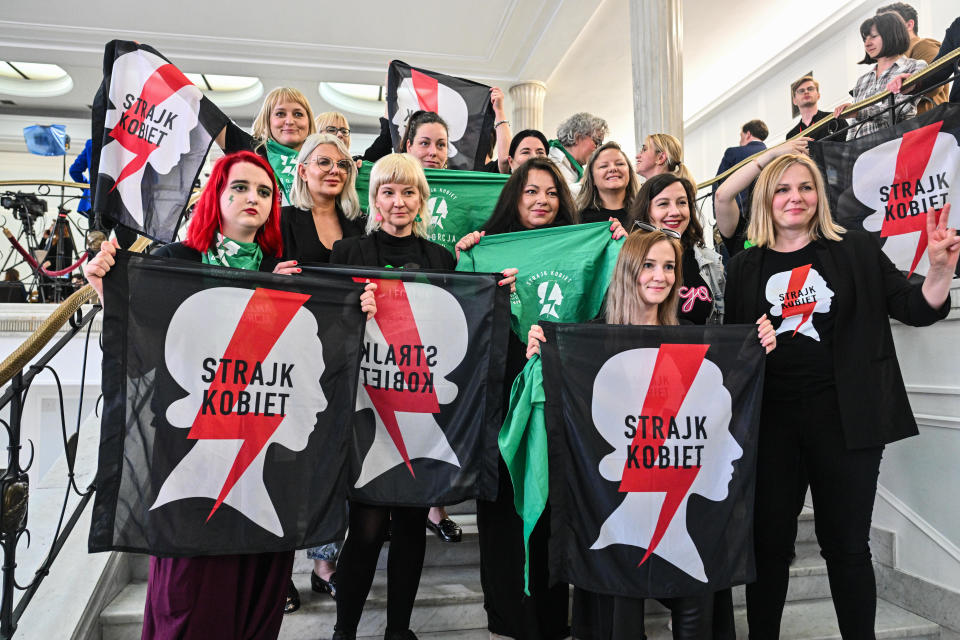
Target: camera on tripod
pixel 25 206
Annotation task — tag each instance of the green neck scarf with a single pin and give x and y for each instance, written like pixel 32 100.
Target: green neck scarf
pixel 576 165
pixel 233 253
pixel 284 162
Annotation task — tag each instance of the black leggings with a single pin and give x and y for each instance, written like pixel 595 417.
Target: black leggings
pixel 358 563
pixel 805 438
pixel 603 617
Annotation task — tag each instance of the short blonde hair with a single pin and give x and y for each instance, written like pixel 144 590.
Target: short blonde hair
pixel 761 231
pixel 796 85
pixel 347 201
pixel 399 168
pixel 332 119
pixel 261 124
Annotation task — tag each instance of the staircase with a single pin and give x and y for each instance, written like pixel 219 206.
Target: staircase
pixel 450 601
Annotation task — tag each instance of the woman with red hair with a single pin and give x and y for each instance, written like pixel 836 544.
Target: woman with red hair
pixel 236 224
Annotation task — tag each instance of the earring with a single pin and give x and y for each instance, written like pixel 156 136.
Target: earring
pixel 418 218
pixel 378 217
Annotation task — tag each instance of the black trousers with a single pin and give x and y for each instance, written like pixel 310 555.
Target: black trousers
pixel 358 563
pixel 798 438
pixel 543 615
pixel 602 617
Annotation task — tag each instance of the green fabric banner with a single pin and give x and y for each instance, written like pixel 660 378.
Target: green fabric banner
pixel 284 162
pixel 564 271
pixel 523 445
pixel 460 201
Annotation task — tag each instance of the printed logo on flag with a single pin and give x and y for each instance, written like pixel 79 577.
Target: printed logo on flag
pixel 439 205
pixel 796 295
pixel 423 92
pixel 150 124
pixel 673 443
pixel 251 381
pixel 403 377
pixel 549 291
pixel 901 180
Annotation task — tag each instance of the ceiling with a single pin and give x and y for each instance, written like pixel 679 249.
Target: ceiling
pixel 301 45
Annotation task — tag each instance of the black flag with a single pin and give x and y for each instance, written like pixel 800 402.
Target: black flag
pixel 463 104
pixel 429 401
pixel 652 437
pixel 152 129
pixel 227 403
pixel 885 181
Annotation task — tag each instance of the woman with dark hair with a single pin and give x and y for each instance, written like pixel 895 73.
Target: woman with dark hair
pixel 609 185
pixel 236 223
pixel 833 394
pixel 668 202
pixel 535 197
pixel 644 290
pixel 885 40
pixel 526 144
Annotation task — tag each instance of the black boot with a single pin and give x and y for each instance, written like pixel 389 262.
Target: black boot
pixel 406 634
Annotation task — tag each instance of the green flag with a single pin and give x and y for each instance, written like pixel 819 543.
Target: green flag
pixel 564 271
pixel 460 201
pixel 523 445
pixel 284 162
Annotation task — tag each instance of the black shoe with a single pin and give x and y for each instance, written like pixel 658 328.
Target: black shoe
pixel 341 635
pixel 406 634
pixel 447 530
pixel 320 585
pixel 293 599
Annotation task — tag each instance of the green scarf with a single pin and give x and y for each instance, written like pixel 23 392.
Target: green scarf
pixel 284 162
pixel 233 253
pixel 576 165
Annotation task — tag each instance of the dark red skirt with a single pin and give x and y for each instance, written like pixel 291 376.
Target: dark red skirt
pixel 234 596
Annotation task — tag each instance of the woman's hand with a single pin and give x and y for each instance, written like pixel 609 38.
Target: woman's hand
pixel 96 269
pixel 766 334
pixel 286 268
pixel 800 145
pixel 943 244
pixel 617 229
pixel 509 278
pixel 368 300
pixel 466 242
pixel 534 338
pixel 496 101
pixel 840 109
pixel 895 85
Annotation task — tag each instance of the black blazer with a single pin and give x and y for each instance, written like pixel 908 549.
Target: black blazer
pixel 300 240
pixel 180 251
pixel 362 251
pixel 874 408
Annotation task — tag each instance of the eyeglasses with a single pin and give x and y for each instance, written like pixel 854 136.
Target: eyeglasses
pixel 326 163
pixel 335 130
pixel 649 227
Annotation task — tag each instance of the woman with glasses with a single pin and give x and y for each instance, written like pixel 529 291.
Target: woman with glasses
pixel 609 185
pixel 324 210
pixel 668 202
pixel 284 122
pixel 335 124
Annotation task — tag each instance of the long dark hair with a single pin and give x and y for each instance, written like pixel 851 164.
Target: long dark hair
pixel 640 211
pixel 506 215
pixel 416 119
pixel 527 133
pixel 206 215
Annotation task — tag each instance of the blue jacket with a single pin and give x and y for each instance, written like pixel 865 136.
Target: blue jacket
pixel 81 164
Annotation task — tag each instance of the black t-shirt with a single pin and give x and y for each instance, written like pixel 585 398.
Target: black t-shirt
pixel 801 306
pixel 300 239
pixel 405 252
pixel 593 214
pixel 696 299
pixel 819 133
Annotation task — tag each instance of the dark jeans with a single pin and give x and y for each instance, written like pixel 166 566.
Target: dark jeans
pixel 805 438
pixel 358 563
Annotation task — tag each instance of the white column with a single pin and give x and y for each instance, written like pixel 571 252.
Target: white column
pixel 527 105
pixel 656 47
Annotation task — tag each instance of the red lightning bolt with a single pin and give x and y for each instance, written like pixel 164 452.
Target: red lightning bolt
pixel 265 318
pixel 673 373
pixel 426 89
pixel 161 84
pixel 797 278
pixel 400 328
pixel 912 160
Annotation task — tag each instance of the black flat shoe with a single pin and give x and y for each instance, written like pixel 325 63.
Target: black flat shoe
pixel 293 599
pixel 399 635
pixel 320 585
pixel 447 530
